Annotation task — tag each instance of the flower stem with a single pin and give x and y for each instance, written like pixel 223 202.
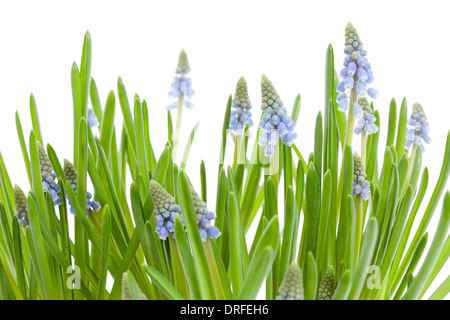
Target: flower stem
pixel 238 150
pixel 274 165
pixel 363 147
pixel 359 226
pixel 348 140
pixel 351 117
pixel 214 270
pixel 178 125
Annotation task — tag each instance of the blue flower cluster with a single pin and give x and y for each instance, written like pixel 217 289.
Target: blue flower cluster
pixel 48 176
pixel 418 134
pixel 204 218
pixel 181 85
pixel 275 122
pixel 292 286
pixel 240 114
pixel 360 185
pixel 364 113
pixel 21 206
pixel 92 118
pixel 71 175
pixel 357 72
pixel 165 210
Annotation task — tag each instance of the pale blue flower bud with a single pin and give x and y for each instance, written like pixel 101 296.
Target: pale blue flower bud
pixel 240 114
pixel 418 134
pixel 360 185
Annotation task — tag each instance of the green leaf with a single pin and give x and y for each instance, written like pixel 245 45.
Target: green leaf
pixel 296 108
pixel 310 278
pixel 187 260
pixel 226 123
pixel 48 285
pixel 420 279
pixel 392 122
pixel 312 211
pixel 238 247
pixel 401 131
pixel 261 262
pixel 201 264
pixel 289 222
pixel 343 287
pixel 188 147
pixel 107 124
pixel 95 101
pixel 367 250
pixel 163 284
pixel 106 245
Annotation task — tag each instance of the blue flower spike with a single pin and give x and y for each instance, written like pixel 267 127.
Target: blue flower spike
pixel 360 185
pixel 21 206
pixel 92 118
pixel 419 128
pixel 204 217
pixel 357 73
pixel 181 86
pixel 292 286
pixel 71 175
pixel 240 113
pixel 48 176
pixel 275 122
pixel 165 210
pixel 366 120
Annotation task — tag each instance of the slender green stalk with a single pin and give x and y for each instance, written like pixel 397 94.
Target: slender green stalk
pixel 359 225
pixel 178 126
pixel 363 147
pixel 218 286
pixel 351 117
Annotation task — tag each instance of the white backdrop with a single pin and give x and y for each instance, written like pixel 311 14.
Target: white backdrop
pixel 287 40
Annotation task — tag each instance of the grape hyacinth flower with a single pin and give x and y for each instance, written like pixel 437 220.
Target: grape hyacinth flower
pixel 357 72
pixel 21 206
pixel 366 120
pixel 71 175
pixel 181 86
pixel 327 285
pixel 204 217
pixel 418 134
pixel 165 210
pixel 275 122
pixel 240 114
pixel 48 176
pixel 360 185
pixel 292 286
pixel 92 118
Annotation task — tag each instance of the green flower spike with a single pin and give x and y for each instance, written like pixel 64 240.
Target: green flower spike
pixel 70 173
pixel 327 285
pixel 164 209
pixel 292 286
pixel 183 63
pixel 240 114
pixel 21 206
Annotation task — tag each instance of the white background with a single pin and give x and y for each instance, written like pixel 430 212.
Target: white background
pixel 407 44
